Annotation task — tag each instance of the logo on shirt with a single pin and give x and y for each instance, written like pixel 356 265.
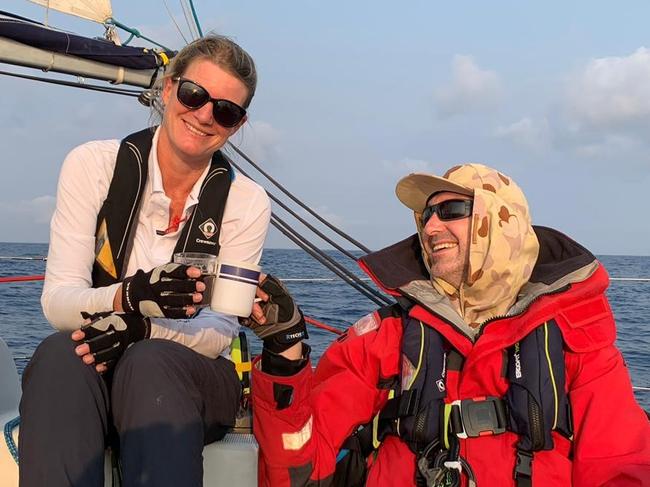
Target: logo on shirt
pixel 517 361
pixel 208 228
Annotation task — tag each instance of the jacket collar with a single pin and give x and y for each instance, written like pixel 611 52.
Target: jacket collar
pixel 399 270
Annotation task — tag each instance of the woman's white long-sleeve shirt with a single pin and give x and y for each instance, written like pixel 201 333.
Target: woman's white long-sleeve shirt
pixel 83 186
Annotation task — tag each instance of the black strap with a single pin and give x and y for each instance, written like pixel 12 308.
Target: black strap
pixel 524 468
pixel 201 233
pixel 400 406
pixel 119 212
pixel 117 218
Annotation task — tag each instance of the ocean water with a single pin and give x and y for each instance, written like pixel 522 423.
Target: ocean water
pixel 23 326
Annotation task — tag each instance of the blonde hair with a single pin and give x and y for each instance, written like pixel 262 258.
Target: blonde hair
pixel 218 49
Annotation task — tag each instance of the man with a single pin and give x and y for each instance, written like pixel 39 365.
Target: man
pixel 496 367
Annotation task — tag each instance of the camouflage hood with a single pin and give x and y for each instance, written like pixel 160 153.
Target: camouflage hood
pixel 503 247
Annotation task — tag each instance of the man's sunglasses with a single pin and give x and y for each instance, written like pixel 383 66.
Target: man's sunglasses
pixel 194 96
pixel 448 210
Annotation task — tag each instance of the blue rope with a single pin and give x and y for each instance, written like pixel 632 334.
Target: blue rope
pixel 9 439
pixel 196 18
pixel 134 32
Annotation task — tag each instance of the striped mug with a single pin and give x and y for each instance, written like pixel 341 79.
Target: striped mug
pixel 234 287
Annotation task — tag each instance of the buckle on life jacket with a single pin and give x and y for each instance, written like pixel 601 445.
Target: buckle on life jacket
pixel 479 416
pixel 523 468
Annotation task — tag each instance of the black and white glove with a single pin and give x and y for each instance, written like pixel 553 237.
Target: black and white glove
pixel 109 336
pixel 163 292
pixel 285 324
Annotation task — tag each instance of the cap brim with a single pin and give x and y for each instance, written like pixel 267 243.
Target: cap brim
pixel 415 189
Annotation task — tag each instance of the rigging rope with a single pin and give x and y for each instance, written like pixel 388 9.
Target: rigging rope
pixel 196 19
pixel 171 16
pixel 318 256
pixel 18 17
pixel 297 201
pixel 21 278
pixel 102 89
pixel 133 32
pixel 190 24
pixel 278 223
pixel 298 217
pixel 322 326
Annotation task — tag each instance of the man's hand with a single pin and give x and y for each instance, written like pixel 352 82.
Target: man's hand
pixel 104 339
pixel 167 291
pixel 276 319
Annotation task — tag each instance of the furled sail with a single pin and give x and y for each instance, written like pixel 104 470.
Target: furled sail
pixel 96 10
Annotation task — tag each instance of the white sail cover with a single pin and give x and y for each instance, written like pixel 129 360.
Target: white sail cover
pixel 97 10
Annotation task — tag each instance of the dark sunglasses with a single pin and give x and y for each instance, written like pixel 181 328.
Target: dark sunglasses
pixel 194 96
pixel 448 210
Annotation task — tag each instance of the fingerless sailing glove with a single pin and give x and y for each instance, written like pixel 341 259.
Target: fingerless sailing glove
pixel 109 336
pixel 163 292
pixel 285 324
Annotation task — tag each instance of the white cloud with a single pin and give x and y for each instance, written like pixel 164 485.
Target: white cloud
pixel 260 141
pixel 603 112
pixel 611 92
pixel 406 166
pixel 471 88
pixel 526 132
pixel 27 220
pixel 38 210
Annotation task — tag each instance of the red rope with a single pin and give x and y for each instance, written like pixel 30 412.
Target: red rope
pixel 21 278
pixel 323 326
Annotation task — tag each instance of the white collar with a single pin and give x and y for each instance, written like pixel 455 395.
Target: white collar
pixel 156 176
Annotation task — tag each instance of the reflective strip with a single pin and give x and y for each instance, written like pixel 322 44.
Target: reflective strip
pixel 366 324
pixel 445 425
pixel 243 366
pixel 420 358
pixel 417 369
pixel 295 441
pixel 550 371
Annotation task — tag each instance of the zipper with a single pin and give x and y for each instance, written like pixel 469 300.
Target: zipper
pixel 536 422
pixel 420 427
pixel 535 299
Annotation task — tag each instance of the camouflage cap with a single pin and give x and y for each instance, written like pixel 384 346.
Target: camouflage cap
pixel 415 189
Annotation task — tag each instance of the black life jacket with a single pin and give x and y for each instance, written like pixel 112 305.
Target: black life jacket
pixel 118 216
pixel 534 405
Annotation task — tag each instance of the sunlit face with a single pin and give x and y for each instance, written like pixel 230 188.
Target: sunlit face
pixel 193 135
pixel 447 242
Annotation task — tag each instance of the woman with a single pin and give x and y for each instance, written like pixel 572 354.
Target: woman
pixel 140 367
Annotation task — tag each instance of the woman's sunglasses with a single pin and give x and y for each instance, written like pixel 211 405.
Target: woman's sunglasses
pixel 447 210
pixel 194 96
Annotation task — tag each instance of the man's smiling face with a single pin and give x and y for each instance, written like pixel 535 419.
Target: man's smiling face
pixel 447 242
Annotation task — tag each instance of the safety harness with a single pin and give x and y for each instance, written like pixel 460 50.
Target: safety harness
pixel 534 405
pixel 117 218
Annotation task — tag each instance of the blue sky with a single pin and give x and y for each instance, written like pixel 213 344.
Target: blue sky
pixel 354 95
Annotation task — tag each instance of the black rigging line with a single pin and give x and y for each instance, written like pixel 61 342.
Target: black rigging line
pixel 323 257
pixel 294 237
pixel 104 89
pixel 347 276
pixel 297 201
pixel 299 218
pixel 18 17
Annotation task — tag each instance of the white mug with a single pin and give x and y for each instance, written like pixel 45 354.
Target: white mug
pixel 234 287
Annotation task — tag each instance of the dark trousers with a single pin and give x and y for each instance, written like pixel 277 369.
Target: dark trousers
pixel 164 400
